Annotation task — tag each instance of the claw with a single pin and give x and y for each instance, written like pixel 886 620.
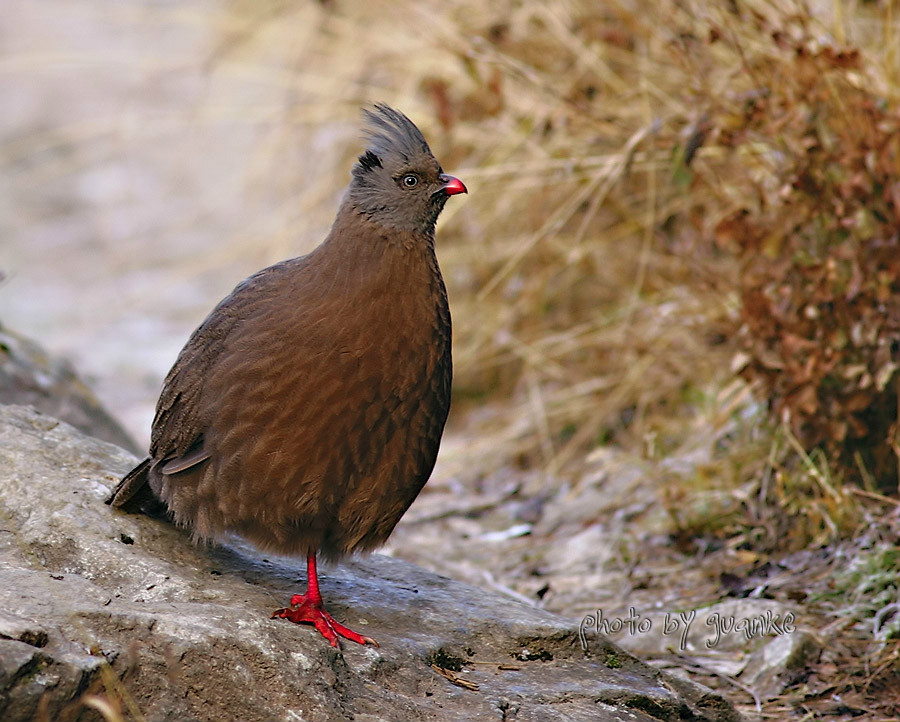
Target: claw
pixel 311 611
pixel 308 608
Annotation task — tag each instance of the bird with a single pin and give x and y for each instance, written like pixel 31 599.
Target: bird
pixel 306 412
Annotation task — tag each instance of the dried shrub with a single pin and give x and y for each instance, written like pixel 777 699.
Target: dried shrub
pixel 820 251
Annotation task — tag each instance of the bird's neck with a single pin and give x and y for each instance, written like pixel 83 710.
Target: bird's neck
pixel 386 266
pixel 363 236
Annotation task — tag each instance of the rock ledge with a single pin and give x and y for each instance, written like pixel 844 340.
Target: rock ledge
pixel 186 632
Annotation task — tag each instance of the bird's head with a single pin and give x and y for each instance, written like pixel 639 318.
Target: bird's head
pixel 397 182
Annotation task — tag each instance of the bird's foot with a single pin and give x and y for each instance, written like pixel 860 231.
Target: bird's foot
pixel 312 612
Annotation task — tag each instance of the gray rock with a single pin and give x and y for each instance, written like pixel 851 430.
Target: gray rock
pixel 727 627
pixel 780 663
pixel 29 376
pixel 23 630
pixel 127 609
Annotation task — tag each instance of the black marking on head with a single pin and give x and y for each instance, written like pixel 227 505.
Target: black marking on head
pixel 369 160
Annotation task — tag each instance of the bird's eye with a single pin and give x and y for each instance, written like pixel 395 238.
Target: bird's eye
pixel 410 181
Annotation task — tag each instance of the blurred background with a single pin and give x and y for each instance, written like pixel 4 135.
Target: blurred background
pixel 674 281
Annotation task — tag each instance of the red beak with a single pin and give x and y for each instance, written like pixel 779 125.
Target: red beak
pixel 452 185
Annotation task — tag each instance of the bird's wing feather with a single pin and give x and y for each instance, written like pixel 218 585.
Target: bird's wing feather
pixel 185 462
pixel 177 438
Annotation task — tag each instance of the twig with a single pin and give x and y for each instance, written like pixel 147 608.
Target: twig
pixel 454 678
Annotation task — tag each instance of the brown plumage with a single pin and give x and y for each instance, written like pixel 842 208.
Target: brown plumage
pixel 306 412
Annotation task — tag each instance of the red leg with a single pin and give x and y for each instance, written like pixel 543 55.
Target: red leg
pixel 309 608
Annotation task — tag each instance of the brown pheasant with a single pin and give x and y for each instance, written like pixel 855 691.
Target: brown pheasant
pixel 306 412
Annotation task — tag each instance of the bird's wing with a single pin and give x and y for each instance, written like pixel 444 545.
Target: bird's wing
pixel 176 442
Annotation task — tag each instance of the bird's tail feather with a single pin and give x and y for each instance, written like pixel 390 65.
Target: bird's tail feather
pixel 134 494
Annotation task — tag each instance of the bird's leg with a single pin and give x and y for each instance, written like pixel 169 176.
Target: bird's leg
pixel 309 608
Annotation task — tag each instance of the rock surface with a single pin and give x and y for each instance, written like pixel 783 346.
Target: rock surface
pixel 30 376
pixel 780 662
pixel 185 630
